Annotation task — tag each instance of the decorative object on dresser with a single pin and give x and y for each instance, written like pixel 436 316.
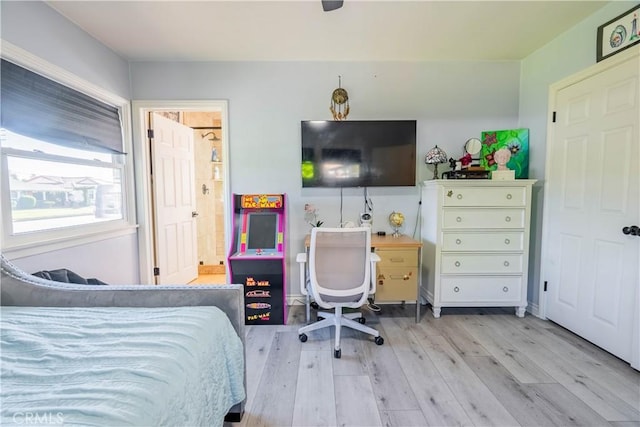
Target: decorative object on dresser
pixel 472 149
pixel 468 166
pixel 502 173
pixel 396 219
pixel 514 140
pixel 476 243
pixel 435 156
pixel 466 174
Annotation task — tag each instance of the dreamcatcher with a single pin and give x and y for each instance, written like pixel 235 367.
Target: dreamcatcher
pixel 339 102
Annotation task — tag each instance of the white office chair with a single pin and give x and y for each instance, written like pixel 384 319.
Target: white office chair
pixel 341 273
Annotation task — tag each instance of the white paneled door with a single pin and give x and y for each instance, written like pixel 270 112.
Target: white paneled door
pixel 590 265
pixel 174 201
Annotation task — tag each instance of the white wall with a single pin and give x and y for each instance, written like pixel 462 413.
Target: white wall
pixel 567 54
pixel 39 30
pixel 109 260
pixel 452 101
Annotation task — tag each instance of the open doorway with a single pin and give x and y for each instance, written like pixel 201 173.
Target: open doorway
pixel 207 129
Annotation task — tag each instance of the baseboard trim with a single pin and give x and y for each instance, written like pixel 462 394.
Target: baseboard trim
pixel 533 309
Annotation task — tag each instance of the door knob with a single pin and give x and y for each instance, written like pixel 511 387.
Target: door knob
pixel 194 214
pixel 634 230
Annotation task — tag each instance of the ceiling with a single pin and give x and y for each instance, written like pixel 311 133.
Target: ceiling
pixel 299 30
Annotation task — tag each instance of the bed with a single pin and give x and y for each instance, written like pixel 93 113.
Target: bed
pixel 120 355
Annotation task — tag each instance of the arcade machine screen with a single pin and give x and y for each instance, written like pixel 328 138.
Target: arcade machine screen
pixel 262 231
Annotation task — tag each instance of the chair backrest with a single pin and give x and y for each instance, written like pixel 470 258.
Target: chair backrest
pixel 339 265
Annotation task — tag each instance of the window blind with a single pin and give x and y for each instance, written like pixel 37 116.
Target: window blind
pixel 37 107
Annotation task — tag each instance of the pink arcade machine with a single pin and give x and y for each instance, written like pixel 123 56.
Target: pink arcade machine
pixel 257 256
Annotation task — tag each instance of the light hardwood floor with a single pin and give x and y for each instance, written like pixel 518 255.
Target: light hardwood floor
pixel 482 367
pixel 210 279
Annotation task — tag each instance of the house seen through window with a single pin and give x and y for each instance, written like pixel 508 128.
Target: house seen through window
pixel 52 186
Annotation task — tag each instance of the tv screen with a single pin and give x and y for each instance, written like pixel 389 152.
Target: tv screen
pixel 357 153
pixel 262 230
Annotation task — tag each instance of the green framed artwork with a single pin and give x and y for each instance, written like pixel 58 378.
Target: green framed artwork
pixel 516 141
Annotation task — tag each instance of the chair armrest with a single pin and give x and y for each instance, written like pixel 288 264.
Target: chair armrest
pixel 301 259
pixel 375 258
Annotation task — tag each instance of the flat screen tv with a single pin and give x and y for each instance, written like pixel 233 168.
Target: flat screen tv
pixel 358 153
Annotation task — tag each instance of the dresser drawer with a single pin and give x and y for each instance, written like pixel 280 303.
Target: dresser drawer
pixel 483 218
pixel 397 258
pixel 490 196
pixel 396 283
pixel 498 289
pixel 483 241
pixel 502 263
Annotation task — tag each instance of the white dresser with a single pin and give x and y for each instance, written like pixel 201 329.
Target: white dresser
pixel 475 236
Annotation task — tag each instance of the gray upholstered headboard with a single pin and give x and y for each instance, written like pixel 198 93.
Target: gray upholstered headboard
pixel 18 288
pixel 22 289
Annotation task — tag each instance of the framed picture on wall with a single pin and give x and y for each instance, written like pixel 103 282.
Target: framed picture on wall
pixel 618 34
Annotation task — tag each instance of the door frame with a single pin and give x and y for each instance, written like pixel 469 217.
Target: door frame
pixel 142 156
pixel 626 55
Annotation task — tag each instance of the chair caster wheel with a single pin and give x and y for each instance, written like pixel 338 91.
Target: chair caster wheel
pixel 379 340
pixel 302 337
pixel 337 353
pixel 362 320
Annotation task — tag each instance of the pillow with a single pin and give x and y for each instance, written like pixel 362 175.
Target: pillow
pixel 67 276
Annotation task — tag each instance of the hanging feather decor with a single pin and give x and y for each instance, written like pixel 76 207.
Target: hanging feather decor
pixel 339 102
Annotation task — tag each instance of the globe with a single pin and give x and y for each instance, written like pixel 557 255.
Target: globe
pixel 396 219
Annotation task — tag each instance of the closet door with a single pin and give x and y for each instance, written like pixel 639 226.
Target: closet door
pixel 593 183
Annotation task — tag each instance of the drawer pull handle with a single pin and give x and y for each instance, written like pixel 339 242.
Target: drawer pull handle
pixel 396 259
pixel 459 196
pixel 506 263
pixel 456 289
pixel 459 219
pixel 507 241
pixel 458 241
pixel 508 219
pixel 505 289
pixel 509 196
pixel 457 264
pixel 399 276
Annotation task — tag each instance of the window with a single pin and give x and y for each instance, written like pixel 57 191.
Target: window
pixel 63 164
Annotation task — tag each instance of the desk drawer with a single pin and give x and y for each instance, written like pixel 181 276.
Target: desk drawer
pixel 452 263
pixel 397 258
pixel 474 196
pixel 483 218
pixel 483 241
pixel 396 284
